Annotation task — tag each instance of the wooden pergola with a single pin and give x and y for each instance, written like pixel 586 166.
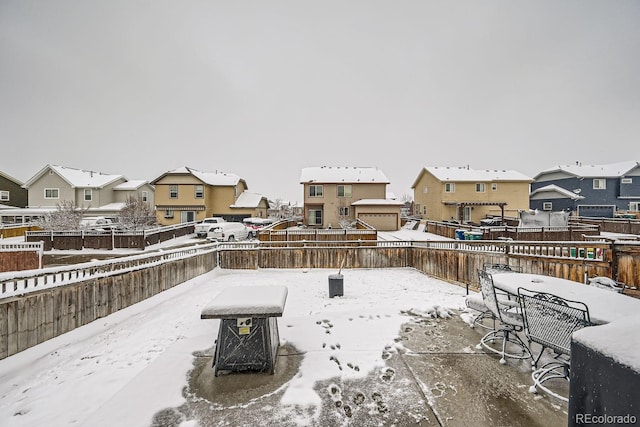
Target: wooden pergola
pixel 461 205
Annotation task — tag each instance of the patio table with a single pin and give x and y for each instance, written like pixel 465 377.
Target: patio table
pixel 604 306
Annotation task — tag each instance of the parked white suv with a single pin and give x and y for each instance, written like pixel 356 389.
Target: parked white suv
pixel 228 232
pixel 202 228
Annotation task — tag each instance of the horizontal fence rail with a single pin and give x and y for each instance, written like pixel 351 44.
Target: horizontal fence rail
pixel 108 239
pixel 20 282
pixel 572 232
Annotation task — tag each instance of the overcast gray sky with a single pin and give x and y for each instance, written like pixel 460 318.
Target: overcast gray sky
pixel 264 88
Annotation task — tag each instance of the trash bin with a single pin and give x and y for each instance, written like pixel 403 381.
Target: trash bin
pixel 460 234
pixel 336 285
pixel 474 235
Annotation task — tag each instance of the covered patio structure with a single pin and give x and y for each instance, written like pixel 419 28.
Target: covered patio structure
pixel 462 205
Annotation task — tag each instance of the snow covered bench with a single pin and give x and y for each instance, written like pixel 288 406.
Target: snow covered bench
pixel 248 336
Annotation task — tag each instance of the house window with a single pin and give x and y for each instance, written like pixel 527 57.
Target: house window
pixel 599 184
pixel 199 191
pixel 168 213
pixel 344 191
pixel 634 206
pixel 315 217
pixel 315 191
pixel 4 196
pixel 416 208
pixel 424 210
pixel 343 211
pixel 173 191
pixel 449 187
pixel 145 196
pixel 494 186
pixel 480 187
pixel 626 181
pixel 425 189
pixel 51 193
pixel 547 206
pixel 88 195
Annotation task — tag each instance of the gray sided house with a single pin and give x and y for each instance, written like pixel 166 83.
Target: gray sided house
pixel 588 190
pixel 101 194
pixel 11 192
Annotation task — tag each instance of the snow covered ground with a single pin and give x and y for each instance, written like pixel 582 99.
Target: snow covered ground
pixel 124 368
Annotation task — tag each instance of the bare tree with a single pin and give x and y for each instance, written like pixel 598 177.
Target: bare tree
pixel 67 216
pixel 137 215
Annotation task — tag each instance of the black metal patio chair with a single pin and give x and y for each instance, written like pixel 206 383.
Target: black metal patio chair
pixel 550 320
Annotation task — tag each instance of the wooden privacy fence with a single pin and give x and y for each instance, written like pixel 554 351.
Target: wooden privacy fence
pixel 15 230
pixel 108 239
pixel 456 261
pixel 20 256
pixel 62 300
pixel 613 225
pixel 38 305
pixel 573 232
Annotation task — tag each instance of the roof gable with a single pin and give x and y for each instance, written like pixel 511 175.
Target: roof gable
pixel 77 178
pixel 12 179
pixel 612 170
pixel 216 178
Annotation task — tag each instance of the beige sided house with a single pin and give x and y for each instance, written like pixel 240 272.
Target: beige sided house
pixel 468 195
pixel 101 194
pixel 335 195
pixel 187 194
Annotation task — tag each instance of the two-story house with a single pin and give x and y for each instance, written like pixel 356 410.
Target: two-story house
pixel 588 190
pixel 11 192
pixel 186 194
pixel 334 196
pixel 99 193
pixel 468 195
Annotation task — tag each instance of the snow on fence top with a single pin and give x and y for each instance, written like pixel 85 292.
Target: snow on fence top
pixel 15 283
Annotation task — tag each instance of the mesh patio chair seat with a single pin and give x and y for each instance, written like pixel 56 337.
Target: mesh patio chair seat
pixel 550 320
pixel 475 302
pixel 507 313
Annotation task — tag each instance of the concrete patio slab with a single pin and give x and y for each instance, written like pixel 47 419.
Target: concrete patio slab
pixel 437 378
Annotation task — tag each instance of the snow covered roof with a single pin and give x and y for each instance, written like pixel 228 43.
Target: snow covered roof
pixel 110 207
pixel 343 174
pixel 612 170
pixel 458 174
pixel 77 178
pixel 379 202
pixel 556 189
pixel 248 200
pixel 210 178
pixel 130 185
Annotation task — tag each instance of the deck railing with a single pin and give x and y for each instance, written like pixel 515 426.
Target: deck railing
pixel 19 282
